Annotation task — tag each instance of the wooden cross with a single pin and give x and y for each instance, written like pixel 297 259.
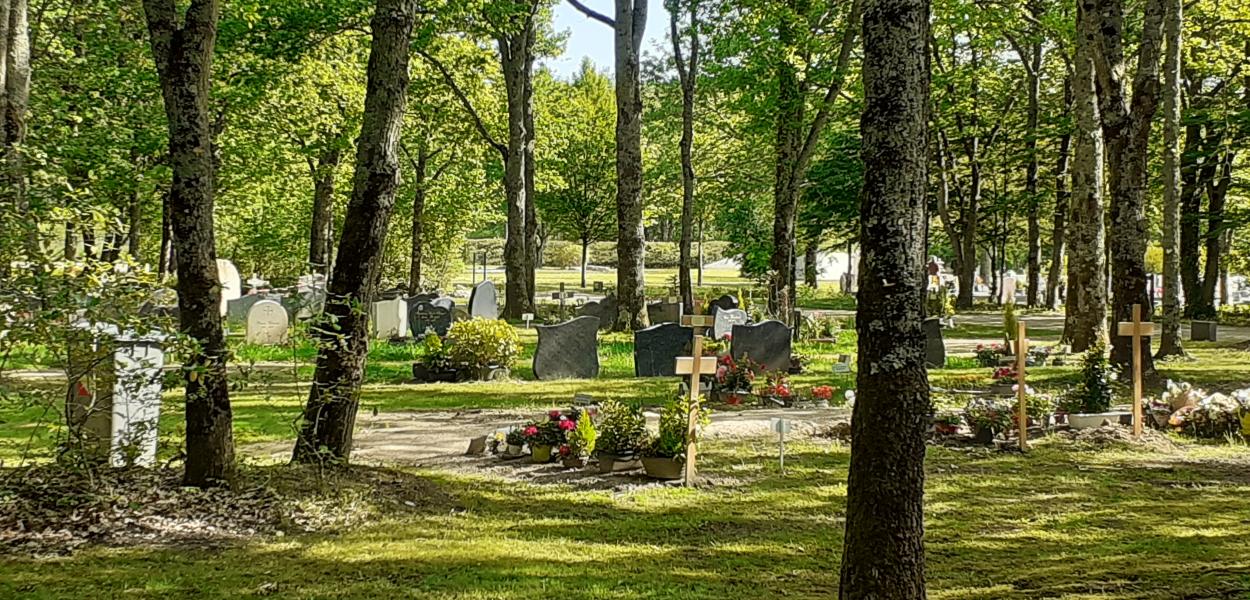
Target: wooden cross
pixel 694 366
pixel 1136 329
pixel 1022 416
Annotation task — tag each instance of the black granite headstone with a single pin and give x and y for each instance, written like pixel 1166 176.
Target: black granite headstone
pixel 767 344
pixel 656 349
pixel 426 317
pixel 568 350
pixel 934 346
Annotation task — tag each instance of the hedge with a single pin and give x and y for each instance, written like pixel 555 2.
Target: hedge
pixel 563 254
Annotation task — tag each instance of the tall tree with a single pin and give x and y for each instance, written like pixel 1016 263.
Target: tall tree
pixel 1086 302
pixel 516 53
pixel 883 553
pixel 330 415
pixel 1170 338
pixel 1127 116
pixel 1030 53
pixel 16 100
pixel 182 47
pixel 1063 198
pixel 688 75
pixel 629 26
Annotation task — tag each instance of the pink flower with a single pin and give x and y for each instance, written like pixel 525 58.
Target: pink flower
pixel 727 337
pixel 567 425
pixel 531 431
pixel 555 414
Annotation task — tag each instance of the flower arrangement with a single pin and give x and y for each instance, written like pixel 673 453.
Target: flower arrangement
pixel 515 436
pixel 734 376
pixel 777 387
pixel 1215 415
pixel 622 430
pixel 947 424
pixel 823 393
pixel 1005 375
pixel 432 353
pixel 1096 390
pixel 988 356
pixel 988 415
pixel 580 440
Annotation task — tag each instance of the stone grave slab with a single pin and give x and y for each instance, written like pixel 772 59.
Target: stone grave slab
pixel 766 343
pixel 657 347
pixel 237 309
pixel 605 310
pixel 724 302
pixel 934 345
pixel 664 312
pixel 231 285
pixel 726 319
pixel 484 301
pixel 426 316
pixel 390 319
pixel 568 351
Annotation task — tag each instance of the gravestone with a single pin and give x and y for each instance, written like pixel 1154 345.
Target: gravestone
pixel 115 393
pixel 726 319
pixel 934 346
pixel 568 350
pixel 1007 290
pixel 484 301
pixel 724 302
pixel 598 286
pixel 426 316
pixel 1203 331
pixel 657 347
pixel 445 302
pixel 267 323
pixel 390 318
pixel 668 311
pixel 419 298
pixel 767 344
pixel 605 310
pixel 237 309
pixel 231 286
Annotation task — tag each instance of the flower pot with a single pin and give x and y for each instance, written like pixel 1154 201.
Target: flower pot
pixel 1003 389
pixel 663 468
pixel 730 398
pixel 983 436
pixel 493 373
pixel 1092 420
pixel 540 454
pixel 611 463
pixel 573 462
pixel 427 374
pixel 513 450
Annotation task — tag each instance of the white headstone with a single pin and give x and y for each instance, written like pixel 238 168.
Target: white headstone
pixel 390 319
pixel 231 286
pixel 116 400
pixel 267 323
pixel 726 318
pixel 1007 291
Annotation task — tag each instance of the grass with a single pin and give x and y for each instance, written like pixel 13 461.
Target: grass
pixel 1060 522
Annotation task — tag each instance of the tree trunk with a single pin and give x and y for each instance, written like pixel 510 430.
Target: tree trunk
pixel 167 260
pixel 1190 224
pixel 330 415
pixel 1086 303
pixel 16 100
pixel 1170 336
pixel 787 146
pixel 687 72
pixel 810 268
pixel 1034 59
pixel 631 21
pixel 321 240
pixel 533 242
pixel 883 553
pixel 1217 194
pixel 418 221
pixel 1126 123
pixel 1063 196
pixel 134 226
pixel 183 52
pixel 515 63
pixel 585 259
pixel 70 251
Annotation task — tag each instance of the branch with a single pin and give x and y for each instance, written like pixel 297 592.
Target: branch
pixel 589 12
pixel 849 32
pixel 162 21
pixel 464 101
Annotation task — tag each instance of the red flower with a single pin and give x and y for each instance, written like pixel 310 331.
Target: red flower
pixel 727 337
pixel 555 415
pixel 531 431
pixel 733 399
pixel 565 450
pixel 567 425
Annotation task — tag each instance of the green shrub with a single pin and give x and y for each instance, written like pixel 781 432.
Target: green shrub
pixel 1096 390
pixel 483 342
pixel 622 429
pixel 560 254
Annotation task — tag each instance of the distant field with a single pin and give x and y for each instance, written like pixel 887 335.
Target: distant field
pixel 550 279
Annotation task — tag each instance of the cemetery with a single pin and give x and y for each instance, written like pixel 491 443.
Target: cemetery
pixel 874 300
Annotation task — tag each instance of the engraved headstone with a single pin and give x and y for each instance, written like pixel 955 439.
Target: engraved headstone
pixel 419 298
pixel 484 301
pixel 568 350
pixel 237 309
pixel 725 320
pixel 664 312
pixel 767 344
pixel 267 323
pixel 390 318
pixel 445 302
pixel 425 317
pixel 934 346
pixel 656 349
pixel 604 310
pixel 724 302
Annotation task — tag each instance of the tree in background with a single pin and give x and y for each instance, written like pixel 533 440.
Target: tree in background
pixel 687 65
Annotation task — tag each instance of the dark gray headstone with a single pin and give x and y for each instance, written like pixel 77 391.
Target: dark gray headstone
pixel 766 343
pixel 598 286
pixel 604 310
pixel 656 349
pixel 419 298
pixel 1203 331
pixel 934 346
pixel 237 309
pixel 726 319
pixel 568 350
pixel 664 312
pixel 425 316
pixel 484 301
pixel 724 302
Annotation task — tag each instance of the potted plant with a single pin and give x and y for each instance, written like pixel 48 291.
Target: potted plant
pixel 622 434
pixel 733 380
pixel 515 440
pixel 665 455
pixel 823 395
pixel 947 424
pixel 991 355
pixel 1040 408
pixel 797 363
pixel 777 389
pixel 433 363
pixel 988 418
pixel 485 348
pixel 579 443
pixel 1088 404
pixel 1004 381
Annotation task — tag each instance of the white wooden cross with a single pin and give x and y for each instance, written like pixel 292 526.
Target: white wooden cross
pixel 1136 329
pixel 1022 416
pixel 694 366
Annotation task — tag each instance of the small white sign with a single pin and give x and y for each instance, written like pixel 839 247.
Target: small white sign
pixel 527 317
pixel 780 425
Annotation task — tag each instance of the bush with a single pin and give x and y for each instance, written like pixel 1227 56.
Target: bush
pixel 560 254
pixel 622 429
pixel 674 423
pixel 1096 390
pixel 483 343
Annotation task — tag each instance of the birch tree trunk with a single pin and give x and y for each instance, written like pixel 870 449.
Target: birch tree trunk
pixel 330 415
pixel 1170 336
pixel 883 553
pixel 182 49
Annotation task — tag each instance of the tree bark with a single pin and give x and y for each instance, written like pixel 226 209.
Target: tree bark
pixel 1086 303
pixel 1170 336
pixel 533 239
pixel 183 52
pixel 329 417
pixel 1217 194
pixel 418 217
pixel 134 227
pixel 810 268
pixel 687 72
pixel 1126 123
pixel 787 144
pixel 883 554
pixel 631 21
pixel 1063 195
pixel 1034 62
pixel 585 259
pixel 321 239
pixel 16 100
pixel 167 260
pixel 515 48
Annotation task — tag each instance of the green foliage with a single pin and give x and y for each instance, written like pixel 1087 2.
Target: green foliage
pixel 483 342
pixel 582 440
pixel 1096 391
pixel 622 429
pixel 560 254
pixel 671 441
